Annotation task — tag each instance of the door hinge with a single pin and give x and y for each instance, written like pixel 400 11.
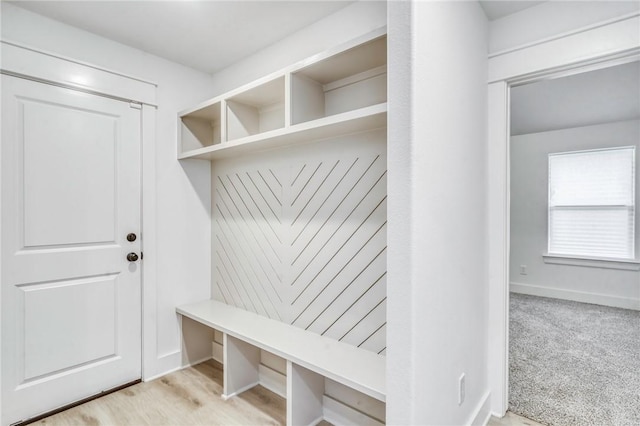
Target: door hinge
pixel 135 105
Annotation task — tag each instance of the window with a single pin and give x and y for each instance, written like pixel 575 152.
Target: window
pixel 592 203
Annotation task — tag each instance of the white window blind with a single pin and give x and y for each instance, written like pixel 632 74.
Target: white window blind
pixel 592 203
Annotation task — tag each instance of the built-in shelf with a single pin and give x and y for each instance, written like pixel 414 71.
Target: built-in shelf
pixel 347 81
pixel 201 128
pixel 330 112
pixel 332 94
pixel 256 111
pixel 364 119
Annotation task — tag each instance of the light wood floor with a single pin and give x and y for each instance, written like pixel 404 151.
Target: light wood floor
pixel 192 397
pixel 187 397
pixel 511 419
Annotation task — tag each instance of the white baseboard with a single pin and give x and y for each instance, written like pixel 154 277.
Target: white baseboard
pixel 269 378
pixel 273 380
pixel 316 421
pixel 162 365
pixel 173 370
pixel 217 351
pixel 338 413
pixel 239 391
pixel 576 296
pixel 196 362
pixel 482 413
pixel 157 376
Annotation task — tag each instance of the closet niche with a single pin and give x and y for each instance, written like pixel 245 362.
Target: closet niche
pixel 299 200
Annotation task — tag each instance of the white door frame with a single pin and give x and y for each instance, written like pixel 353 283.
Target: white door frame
pixel 597 46
pixel 34 64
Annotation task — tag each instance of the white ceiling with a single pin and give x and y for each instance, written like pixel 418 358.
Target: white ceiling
pixel 205 35
pixel 595 97
pixel 496 9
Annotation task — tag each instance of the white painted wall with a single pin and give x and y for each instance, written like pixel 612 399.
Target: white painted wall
pixel 355 20
pixel 595 97
pixel 183 195
pixel 437 275
pixel 558 17
pixel 529 189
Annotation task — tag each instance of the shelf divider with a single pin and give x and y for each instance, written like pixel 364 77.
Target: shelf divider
pixel 241 366
pixel 305 391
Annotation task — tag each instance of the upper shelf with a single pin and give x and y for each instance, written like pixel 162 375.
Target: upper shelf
pixel 368 118
pixel 334 93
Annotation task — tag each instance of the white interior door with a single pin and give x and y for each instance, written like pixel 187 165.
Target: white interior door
pixel 71 308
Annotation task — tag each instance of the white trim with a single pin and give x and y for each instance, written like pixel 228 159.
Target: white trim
pixel 576 296
pixel 239 391
pixel 591 262
pixel 173 370
pixel 75 61
pixel 194 363
pixel 35 64
pixel 272 380
pixel 569 69
pixel 565 34
pixel 339 413
pixel 153 368
pixel 218 352
pixel 149 245
pixel 498 241
pixel 157 376
pixel 573 51
pixel 481 414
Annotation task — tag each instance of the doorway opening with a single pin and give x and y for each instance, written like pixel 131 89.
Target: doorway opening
pixel 573 277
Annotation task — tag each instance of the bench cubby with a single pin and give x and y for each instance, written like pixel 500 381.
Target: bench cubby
pixel 310 359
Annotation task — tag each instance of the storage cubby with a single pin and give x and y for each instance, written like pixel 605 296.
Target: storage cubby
pixel 334 93
pixel 353 79
pixel 201 128
pixel 321 378
pixel 257 110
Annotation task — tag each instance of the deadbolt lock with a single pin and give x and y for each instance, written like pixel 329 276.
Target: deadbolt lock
pixel 131 237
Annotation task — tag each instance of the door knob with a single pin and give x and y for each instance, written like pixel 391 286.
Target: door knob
pixel 132 257
pixel 131 237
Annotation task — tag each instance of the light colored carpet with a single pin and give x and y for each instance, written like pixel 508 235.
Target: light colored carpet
pixel 574 363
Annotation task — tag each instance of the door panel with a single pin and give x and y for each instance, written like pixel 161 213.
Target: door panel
pixel 71 302
pixel 86 338
pixel 67 201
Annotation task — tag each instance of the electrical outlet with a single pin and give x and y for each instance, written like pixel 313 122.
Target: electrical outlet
pixel 461 390
pixel 523 269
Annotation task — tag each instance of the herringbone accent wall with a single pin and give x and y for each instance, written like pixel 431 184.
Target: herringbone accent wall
pixel 304 241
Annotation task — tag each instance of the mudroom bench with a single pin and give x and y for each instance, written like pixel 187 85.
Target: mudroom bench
pixel 310 359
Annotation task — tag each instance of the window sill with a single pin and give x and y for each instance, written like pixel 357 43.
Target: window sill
pixel 592 262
